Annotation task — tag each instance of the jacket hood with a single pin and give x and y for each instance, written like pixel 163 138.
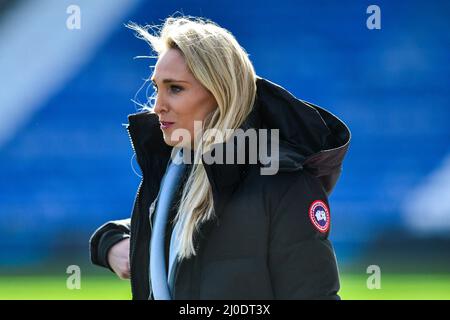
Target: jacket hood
pixel 310 138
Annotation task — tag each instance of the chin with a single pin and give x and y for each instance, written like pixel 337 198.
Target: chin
pixel 172 143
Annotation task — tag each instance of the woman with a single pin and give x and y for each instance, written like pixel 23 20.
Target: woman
pixel 224 229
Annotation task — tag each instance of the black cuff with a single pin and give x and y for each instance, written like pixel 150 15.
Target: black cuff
pixel 107 240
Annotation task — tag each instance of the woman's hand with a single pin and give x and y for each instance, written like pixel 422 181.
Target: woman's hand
pixel 119 258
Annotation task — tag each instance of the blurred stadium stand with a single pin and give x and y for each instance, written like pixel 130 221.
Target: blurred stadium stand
pixel 65 157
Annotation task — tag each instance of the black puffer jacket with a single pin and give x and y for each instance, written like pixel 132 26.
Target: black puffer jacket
pixel 270 236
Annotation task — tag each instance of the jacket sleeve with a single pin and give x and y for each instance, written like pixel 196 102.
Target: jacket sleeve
pixel 301 258
pixel 104 238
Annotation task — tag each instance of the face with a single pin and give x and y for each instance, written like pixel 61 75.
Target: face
pixel 180 98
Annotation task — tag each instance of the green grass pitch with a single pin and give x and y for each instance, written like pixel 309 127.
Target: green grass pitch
pixel 393 286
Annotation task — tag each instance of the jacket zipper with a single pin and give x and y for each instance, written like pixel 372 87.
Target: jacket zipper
pixel 138 200
pixel 151 211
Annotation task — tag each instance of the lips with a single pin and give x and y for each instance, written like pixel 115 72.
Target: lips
pixel 166 124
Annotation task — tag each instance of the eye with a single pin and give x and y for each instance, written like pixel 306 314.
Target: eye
pixel 175 89
pixel 155 87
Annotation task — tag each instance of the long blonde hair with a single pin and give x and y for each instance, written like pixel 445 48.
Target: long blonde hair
pixel 222 66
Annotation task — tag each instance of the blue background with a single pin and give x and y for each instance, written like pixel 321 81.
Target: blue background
pixel 66 168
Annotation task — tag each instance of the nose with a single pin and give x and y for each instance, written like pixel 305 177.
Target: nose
pixel 160 105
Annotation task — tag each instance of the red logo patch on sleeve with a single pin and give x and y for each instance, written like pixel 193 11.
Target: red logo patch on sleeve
pixel 319 214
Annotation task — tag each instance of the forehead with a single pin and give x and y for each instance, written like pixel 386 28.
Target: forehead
pixel 170 64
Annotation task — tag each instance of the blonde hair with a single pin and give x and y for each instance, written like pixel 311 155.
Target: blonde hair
pixel 222 66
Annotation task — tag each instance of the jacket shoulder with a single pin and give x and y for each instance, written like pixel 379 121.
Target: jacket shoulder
pixel 298 199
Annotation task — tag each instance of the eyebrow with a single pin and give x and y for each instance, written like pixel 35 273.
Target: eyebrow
pixel 169 80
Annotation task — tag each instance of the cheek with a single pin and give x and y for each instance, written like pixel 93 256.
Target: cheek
pixel 191 109
pixel 204 105
pixel 193 106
